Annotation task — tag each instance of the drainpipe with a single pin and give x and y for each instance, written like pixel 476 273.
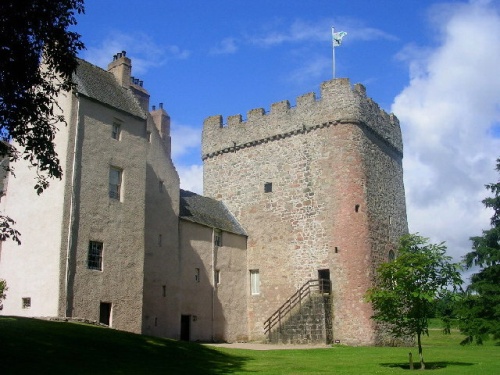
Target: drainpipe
pixel 69 303
pixel 213 281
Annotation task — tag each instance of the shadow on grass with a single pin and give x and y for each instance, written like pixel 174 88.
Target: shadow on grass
pixel 31 346
pixel 428 365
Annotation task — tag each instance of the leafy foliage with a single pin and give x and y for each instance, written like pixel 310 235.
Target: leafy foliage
pixel 3 289
pixel 32 31
pixel 480 308
pixel 408 286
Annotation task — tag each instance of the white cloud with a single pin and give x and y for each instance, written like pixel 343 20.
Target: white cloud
pixel 185 140
pixel 191 177
pixel 311 70
pixel 225 47
pixel 318 31
pixel 447 114
pixel 144 51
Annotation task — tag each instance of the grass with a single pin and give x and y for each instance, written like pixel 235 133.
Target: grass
pixel 30 346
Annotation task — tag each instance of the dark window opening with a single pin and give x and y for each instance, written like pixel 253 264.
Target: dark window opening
pixel 268 187
pixel 217 237
pixel 356 208
pixel 26 302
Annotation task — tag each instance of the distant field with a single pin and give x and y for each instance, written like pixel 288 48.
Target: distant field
pixel 30 346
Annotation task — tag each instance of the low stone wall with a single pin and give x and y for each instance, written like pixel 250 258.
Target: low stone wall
pixel 72 320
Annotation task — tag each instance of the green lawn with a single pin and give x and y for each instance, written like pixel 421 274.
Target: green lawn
pixel 30 346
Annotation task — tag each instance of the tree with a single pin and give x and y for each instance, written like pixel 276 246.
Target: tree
pixel 406 288
pixel 480 308
pixel 3 289
pixel 32 31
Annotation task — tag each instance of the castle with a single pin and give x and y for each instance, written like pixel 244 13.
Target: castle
pixel 311 192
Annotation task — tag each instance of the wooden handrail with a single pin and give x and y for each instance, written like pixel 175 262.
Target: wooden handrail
pixel 322 286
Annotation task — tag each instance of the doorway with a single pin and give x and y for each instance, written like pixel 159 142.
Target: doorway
pixel 105 313
pixel 185 327
pixel 324 281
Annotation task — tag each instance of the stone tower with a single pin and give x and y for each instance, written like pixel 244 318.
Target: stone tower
pixel 319 189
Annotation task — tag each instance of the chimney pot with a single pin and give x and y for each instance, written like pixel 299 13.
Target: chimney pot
pixel 161 105
pixel 154 108
pixel 124 53
pixel 114 57
pixel 141 83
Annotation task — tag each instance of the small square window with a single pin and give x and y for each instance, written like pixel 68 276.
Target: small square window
pixel 268 187
pixel 94 260
pixel 26 302
pixel 116 130
pixel 115 182
pixel 254 282
pixel 217 237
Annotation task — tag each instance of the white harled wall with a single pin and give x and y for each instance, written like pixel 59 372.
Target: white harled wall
pixel 32 269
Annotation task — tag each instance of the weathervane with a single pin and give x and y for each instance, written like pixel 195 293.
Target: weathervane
pixel 336 41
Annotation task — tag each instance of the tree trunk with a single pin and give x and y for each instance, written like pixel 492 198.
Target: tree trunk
pixel 422 364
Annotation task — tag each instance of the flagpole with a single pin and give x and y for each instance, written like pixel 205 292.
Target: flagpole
pixel 333 52
pixel 336 41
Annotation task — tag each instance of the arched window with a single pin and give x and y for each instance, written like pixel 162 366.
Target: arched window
pixel 391 256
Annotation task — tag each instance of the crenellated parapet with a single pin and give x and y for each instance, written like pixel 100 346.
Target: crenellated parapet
pixel 340 103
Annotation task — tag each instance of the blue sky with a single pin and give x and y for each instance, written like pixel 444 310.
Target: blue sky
pixel 434 64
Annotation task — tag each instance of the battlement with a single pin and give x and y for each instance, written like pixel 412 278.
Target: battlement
pixel 340 103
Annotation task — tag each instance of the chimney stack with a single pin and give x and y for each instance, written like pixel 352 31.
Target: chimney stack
pixel 121 67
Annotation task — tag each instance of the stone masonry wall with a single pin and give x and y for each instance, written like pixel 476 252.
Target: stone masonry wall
pixel 337 199
pixel 309 324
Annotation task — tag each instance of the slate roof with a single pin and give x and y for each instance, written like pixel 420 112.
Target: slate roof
pixel 209 212
pixel 100 85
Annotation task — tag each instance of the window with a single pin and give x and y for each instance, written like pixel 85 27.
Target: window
pixel 94 261
pixel 268 187
pixel 254 282
pixel 115 182
pixel 161 187
pixel 116 130
pixel 217 277
pixel 160 238
pixel 26 302
pixel 197 275
pixel 391 256
pixel 164 287
pixel 148 136
pixel 217 237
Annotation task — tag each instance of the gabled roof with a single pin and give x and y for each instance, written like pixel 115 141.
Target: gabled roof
pixel 100 85
pixel 209 212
